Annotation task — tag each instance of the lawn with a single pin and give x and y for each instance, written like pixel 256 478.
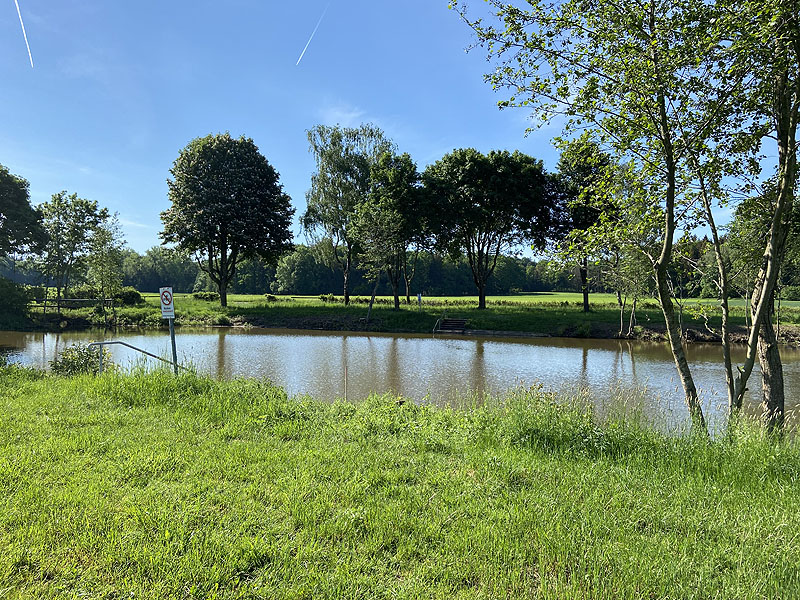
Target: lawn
pixel 553 314
pixel 146 485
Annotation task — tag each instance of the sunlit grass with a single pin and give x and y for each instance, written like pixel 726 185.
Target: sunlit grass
pixel 152 486
pixel 545 313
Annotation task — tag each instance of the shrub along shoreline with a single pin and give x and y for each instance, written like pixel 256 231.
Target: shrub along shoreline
pixel 155 486
pixel 547 314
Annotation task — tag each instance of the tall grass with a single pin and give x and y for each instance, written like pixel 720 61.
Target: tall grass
pixel 148 485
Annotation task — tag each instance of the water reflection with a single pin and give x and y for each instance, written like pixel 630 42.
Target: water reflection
pixel 330 365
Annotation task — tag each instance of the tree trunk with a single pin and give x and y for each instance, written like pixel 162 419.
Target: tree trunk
pixel 621 303
pixel 223 291
pixel 481 295
pixel 372 299
pixel 346 275
pixel 773 396
pixel 674 333
pixel 584 273
pixel 632 322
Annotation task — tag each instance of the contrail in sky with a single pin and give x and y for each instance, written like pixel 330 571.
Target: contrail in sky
pixel 309 39
pixel 25 35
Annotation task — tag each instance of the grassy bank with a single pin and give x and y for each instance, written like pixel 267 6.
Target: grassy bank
pixel 554 314
pixel 152 486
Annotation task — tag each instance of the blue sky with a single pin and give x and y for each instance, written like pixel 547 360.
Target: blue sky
pixel 119 88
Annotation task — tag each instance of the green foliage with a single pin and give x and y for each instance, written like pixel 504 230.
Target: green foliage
pixel 69 222
pixel 14 305
pixel 209 296
pixel 20 224
pixel 129 296
pixel 227 205
pixel 105 261
pixel 486 204
pixel 159 267
pixel 344 157
pixel 80 359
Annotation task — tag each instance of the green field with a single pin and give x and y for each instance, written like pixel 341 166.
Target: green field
pixel 151 486
pixel 553 314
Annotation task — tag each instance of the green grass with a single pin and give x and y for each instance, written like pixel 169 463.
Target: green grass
pixel 150 486
pixel 556 314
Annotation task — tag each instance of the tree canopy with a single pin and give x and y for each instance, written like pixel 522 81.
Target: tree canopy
pixel 20 224
pixel 344 157
pixel 227 205
pixel 487 204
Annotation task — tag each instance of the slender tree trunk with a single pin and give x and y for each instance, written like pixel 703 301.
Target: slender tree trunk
pixel 724 291
pixel 632 322
pixel 621 303
pixel 372 299
pixel 674 333
pixel 584 273
pixel 346 275
pixel 773 395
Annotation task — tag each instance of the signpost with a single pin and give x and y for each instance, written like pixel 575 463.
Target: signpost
pixel 168 312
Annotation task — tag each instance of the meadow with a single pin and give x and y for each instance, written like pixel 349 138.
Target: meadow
pixel 545 314
pixel 146 485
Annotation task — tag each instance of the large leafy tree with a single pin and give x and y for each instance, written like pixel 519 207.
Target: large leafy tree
pixel 488 204
pixel 227 205
pixel 391 222
pixel 344 157
pixel 70 223
pixel 20 224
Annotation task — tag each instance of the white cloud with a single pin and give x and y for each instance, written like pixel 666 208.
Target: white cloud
pixel 342 114
pixel 129 223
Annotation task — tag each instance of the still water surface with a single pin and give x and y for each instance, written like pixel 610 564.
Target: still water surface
pixel 328 365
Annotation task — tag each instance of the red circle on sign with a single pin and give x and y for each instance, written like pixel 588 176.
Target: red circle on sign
pixel 166 297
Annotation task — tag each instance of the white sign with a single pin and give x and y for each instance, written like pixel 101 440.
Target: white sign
pixel 167 304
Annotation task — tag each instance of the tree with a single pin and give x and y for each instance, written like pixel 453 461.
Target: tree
pixel 582 170
pixel 159 267
pixel 299 273
pixel 653 80
pixel 20 224
pixel 69 222
pixel 105 259
pixel 765 39
pixel 391 219
pixel 487 204
pixel 344 157
pixel 227 205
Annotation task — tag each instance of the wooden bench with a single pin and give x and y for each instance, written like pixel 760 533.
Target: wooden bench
pixel 451 325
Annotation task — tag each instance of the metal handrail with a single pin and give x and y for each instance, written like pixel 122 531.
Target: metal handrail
pixel 127 345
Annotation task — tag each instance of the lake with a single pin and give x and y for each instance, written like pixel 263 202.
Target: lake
pixel 441 370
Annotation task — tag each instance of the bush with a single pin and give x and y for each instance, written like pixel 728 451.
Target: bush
pixel 82 292
pixel 80 359
pixel 270 298
pixel 129 296
pixel 327 297
pixel 15 301
pixel 35 292
pixel 211 296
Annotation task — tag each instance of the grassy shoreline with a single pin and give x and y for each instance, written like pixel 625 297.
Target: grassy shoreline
pixel 150 486
pixel 545 314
